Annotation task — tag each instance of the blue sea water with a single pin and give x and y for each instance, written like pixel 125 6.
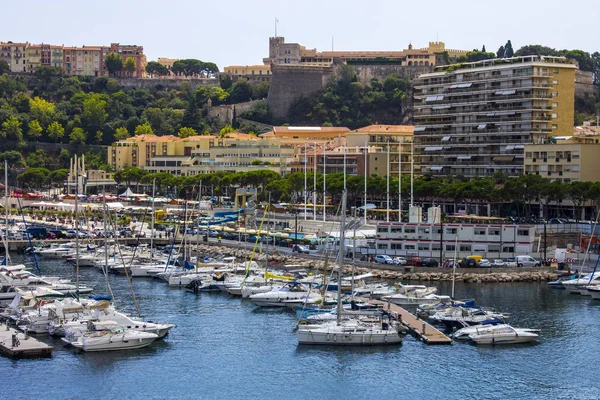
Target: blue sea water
pixel 226 348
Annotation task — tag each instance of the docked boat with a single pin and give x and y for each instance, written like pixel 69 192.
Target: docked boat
pixel 350 333
pixel 417 295
pixel 573 286
pixel 108 336
pixel 454 318
pixel 56 250
pixel 594 291
pixel 505 334
pixel 277 297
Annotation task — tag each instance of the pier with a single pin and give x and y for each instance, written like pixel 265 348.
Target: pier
pixel 24 346
pixel 418 327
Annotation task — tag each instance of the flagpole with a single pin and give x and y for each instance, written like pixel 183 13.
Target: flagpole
pixel 387 218
pixel 324 179
pixel 365 199
pixel 399 180
pixel 315 182
pixel 305 186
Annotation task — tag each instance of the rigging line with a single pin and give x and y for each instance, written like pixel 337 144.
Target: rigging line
pixel 254 248
pixel 137 307
pixel 137 242
pixel 35 260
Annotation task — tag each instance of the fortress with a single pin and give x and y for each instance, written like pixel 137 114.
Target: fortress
pixel 296 70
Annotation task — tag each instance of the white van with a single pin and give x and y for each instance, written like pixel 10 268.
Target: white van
pixel 527 261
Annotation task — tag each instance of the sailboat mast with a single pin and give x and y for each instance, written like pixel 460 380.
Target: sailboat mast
pixel 77 225
pixel 454 264
pixel 6 210
pixel 104 217
pixel 152 227
pixel 341 255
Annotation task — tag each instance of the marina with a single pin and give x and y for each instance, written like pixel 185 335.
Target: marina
pixel 239 340
pixel 15 344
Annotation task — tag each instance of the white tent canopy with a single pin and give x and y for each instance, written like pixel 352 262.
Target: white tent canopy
pixel 115 205
pixel 126 193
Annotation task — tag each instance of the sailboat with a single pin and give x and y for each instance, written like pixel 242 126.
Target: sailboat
pixel 353 332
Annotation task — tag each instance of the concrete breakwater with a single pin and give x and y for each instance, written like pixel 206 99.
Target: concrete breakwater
pixel 432 274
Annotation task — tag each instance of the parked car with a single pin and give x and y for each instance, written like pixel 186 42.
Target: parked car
pixel 37 232
pixel 484 263
pixel 527 262
pixel 300 249
pixel 71 234
pixel 60 234
pixel 467 263
pixel 429 262
pixel 50 235
pixel 498 263
pixel 399 261
pixel 448 263
pixel 383 259
pixel 510 262
pixel 414 260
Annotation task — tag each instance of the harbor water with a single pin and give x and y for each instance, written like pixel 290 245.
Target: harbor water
pixel 226 348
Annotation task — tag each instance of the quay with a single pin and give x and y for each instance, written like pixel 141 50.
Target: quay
pixel 418 327
pixel 25 346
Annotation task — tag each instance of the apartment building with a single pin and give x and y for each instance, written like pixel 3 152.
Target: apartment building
pixel 565 159
pixel 397 140
pixel 15 55
pixel 130 51
pixel 474 119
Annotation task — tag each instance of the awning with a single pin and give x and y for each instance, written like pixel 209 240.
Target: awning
pixel 519 146
pixel 420 128
pixel 434 98
pixel 443 107
pixel 505 92
pixel 481 126
pixel 433 148
pixel 463 157
pixel 503 158
pixel 436 168
pixel 446 138
pixel 510 147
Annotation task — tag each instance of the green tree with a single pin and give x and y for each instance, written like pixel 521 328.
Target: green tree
pixel 4 67
pixel 37 159
pixel 58 177
pixel 64 157
pixel 121 133
pixel 11 129
pixel 34 130
pixel 185 132
pixel 113 63
pixel 42 110
pixel 500 52
pixel 78 136
pixel 13 157
pixel 129 66
pixel 94 112
pixel 225 130
pixel 508 50
pixel 56 131
pixel 241 91
pixel 155 69
pixel 34 178
pixel 143 129
pixel 99 137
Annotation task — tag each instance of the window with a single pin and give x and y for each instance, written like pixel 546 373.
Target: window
pixel 450 247
pixel 435 246
pixel 555 71
pixel 575 154
pixel 494 231
pixel 465 247
pixel 409 230
pixel 423 246
pixel 554 115
pixel 554 105
pixel 554 94
pixel 382 229
pixel 382 246
pixel 396 246
pixel 479 231
pixel 555 82
pixel 522 232
pixel 409 247
pixel 575 168
pixel 494 248
pixel 396 229
pixel 423 231
pixel 528 154
pixel 508 248
pixel 451 231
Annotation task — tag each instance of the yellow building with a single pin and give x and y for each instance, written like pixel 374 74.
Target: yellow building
pixel 15 55
pixel 34 57
pixel 565 159
pixel 249 72
pixel 201 154
pixel 377 139
pixel 168 63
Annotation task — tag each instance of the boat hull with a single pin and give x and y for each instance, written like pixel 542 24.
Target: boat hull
pixel 324 337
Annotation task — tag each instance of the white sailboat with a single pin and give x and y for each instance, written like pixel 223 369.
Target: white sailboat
pixel 352 332
pixel 109 335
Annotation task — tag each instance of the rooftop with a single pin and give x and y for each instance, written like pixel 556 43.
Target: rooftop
pixel 387 129
pixel 311 129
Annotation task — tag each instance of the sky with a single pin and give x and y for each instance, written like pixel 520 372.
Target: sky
pixel 235 32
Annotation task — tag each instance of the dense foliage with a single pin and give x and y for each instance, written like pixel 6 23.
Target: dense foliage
pixel 347 102
pixel 82 110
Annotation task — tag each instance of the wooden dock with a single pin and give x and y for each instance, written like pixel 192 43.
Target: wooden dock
pixel 25 347
pixel 418 327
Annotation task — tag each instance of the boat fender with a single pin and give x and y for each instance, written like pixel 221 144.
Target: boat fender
pixel 328 337
pixel 143 326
